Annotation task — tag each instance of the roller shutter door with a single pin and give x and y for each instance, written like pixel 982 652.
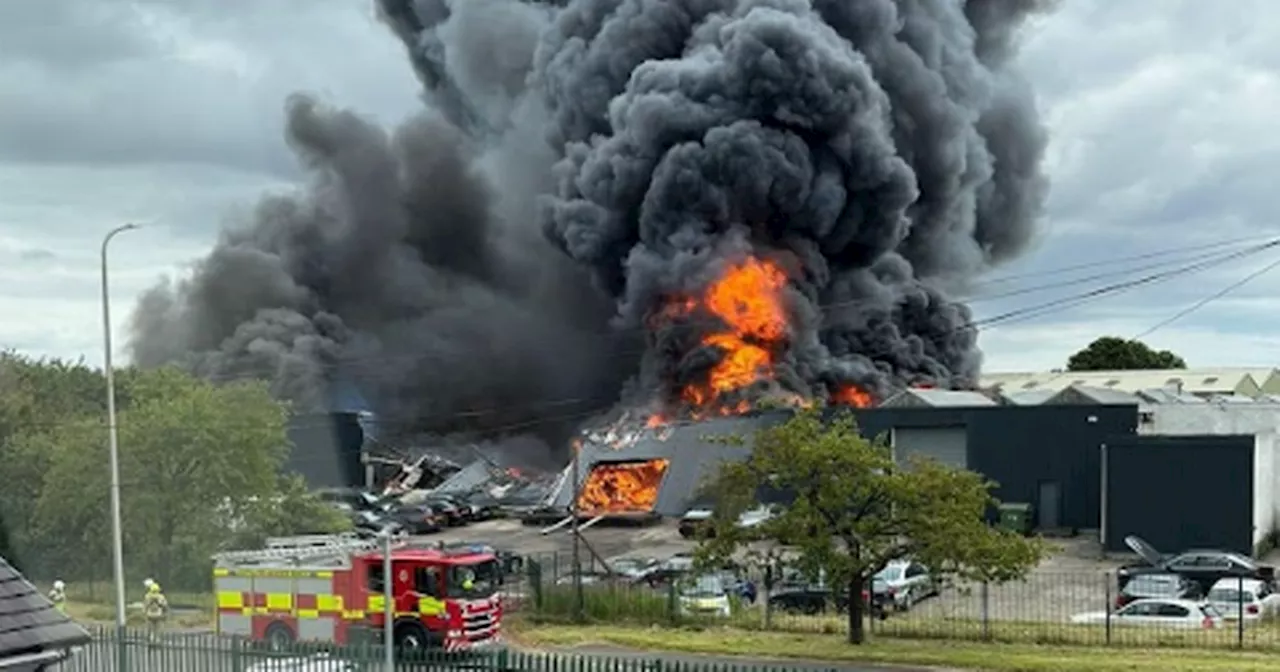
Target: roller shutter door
pixel 948 445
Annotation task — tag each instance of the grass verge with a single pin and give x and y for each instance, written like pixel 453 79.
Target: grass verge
pixel 829 648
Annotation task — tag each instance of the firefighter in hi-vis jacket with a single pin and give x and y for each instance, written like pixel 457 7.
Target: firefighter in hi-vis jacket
pixel 154 607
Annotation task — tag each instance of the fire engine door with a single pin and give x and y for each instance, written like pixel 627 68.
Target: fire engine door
pixel 418 589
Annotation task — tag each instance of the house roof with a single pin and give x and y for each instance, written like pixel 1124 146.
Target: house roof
pixel 29 623
pixel 1198 381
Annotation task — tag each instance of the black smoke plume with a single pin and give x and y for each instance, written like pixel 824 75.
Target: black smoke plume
pixel 885 149
pixel 485 265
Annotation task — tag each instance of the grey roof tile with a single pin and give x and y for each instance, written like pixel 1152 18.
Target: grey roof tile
pixel 29 623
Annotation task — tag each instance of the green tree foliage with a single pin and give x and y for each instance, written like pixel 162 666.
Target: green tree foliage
pixel 200 468
pixel 855 510
pixel 1111 353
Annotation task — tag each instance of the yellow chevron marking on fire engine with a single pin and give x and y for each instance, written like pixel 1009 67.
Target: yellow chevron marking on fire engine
pixel 329 602
pixel 354 615
pixel 279 602
pixel 308 613
pixel 230 600
pixel 430 606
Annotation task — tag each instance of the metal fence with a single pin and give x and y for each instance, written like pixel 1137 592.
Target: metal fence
pixel 1065 608
pixel 211 653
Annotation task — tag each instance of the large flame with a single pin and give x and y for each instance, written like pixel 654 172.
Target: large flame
pixel 621 487
pixel 746 303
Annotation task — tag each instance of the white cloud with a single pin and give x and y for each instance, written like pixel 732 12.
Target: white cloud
pixel 170 113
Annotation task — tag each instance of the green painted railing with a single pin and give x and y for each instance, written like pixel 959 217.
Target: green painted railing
pixel 212 653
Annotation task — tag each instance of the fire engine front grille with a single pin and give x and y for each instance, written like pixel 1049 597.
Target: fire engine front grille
pixel 478 624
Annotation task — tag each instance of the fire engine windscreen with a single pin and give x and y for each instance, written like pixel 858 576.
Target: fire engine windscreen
pixel 474 581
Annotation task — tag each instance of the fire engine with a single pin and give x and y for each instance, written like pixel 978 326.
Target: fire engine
pixel 330 588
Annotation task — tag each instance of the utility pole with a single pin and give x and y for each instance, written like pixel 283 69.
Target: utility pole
pixel 389 607
pixel 579 601
pixel 117 534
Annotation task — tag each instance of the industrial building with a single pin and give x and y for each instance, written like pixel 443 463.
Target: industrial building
pixel 1049 456
pixel 1239 381
pixel 1178 469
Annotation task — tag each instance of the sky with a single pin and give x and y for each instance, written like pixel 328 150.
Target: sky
pixel 169 114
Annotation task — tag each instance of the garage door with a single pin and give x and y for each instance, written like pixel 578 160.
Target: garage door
pixel 948 445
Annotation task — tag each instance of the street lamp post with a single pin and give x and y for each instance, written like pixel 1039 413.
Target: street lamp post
pixel 117 534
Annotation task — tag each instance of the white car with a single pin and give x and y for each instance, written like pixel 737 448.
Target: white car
pixel 903 583
pixel 705 595
pixel 1162 613
pixel 1252 597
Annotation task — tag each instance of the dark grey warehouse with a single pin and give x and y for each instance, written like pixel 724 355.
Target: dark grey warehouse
pixel 1047 456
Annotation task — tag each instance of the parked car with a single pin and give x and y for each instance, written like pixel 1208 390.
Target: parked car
pixel 814 598
pixel 465 511
pixel 368 523
pixel 704 595
pixel 695 521
pixel 1251 598
pixel 589 578
pixel 633 568
pixel 1161 586
pixel 902 584
pixel 453 516
pixel 669 570
pixel 483 506
pixel 509 561
pixel 418 518
pixel 1181 614
pixel 1205 567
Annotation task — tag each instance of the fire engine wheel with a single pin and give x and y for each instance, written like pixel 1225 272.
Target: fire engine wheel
pixel 279 637
pixel 411 637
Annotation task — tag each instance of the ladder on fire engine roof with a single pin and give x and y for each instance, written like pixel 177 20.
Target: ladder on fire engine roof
pixel 317 549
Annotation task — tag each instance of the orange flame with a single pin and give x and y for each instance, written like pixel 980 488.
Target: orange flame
pixel 747 300
pixel 622 487
pixel 852 395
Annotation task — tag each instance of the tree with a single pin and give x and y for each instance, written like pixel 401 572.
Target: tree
pixel 199 463
pixel 855 510
pixel 1111 353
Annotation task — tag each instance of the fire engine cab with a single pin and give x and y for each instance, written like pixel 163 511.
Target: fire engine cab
pixel 331 589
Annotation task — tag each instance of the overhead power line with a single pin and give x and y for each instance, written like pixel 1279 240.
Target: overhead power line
pixel 1208 299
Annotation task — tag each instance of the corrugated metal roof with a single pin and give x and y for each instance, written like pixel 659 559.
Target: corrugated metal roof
pixel 1102 395
pixel 1029 397
pixel 466 479
pixel 938 398
pixel 692 456
pixel 29 623
pixel 1200 381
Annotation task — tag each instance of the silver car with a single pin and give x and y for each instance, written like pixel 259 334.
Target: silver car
pixel 902 584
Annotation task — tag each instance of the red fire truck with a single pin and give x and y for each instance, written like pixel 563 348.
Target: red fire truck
pixel 331 589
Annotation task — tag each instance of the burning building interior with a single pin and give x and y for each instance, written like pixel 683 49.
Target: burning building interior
pixel 624 217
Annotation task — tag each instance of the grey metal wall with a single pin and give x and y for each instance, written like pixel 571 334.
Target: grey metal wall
pixel 1180 492
pixel 1022 448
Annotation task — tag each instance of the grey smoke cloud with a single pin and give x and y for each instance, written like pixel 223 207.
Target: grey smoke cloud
pixel 580 160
